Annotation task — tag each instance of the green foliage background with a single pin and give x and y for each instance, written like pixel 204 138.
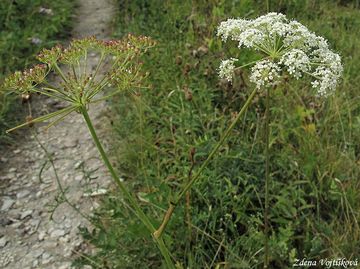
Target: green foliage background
pixel 21 23
pixel 315 203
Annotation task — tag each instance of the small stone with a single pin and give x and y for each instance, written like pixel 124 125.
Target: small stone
pixel 27 185
pixel 43 186
pixel 46 258
pixel 78 164
pixel 38 194
pixel 35 263
pixel 17 151
pixel 7 204
pixel 3 241
pixel 45 255
pixel 49 244
pixel 37 253
pixel 65 239
pixel 41 236
pixel 70 143
pixel 65 266
pixel 35 223
pixel 77 242
pixel 12 170
pixel 22 194
pixel 68 223
pixel 67 252
pixel 97 192
pixel 16 224
pixel 79 177
pixel 4 160
pixel 57 233
pixel 26 214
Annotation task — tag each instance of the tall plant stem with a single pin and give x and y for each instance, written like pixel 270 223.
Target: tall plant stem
pixel 173 204
pixel 133 203
pixel 267 179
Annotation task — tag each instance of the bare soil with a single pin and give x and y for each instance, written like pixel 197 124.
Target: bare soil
pixel 29 238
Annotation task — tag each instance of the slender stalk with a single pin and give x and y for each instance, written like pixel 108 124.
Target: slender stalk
pixel 74 72
pixel 140 214
pixel 173 204
pixel 97 67
pixel 62 191
pixel 58 70
pixel 188 198
pixel 44 118
pixel 267 179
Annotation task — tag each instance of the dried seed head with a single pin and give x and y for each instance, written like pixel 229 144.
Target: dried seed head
pixel 25 97
pixel 77 86
pixel 50 56
pixel 188 93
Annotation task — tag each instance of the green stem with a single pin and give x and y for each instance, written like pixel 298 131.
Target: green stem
pixel 140 214
pixel 58 70
pixel 267 179
pixel 174 203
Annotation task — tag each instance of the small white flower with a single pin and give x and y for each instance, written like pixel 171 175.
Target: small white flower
pixel 231 28
pixel 226 69
pixel 250 38
pixel 46 11
pixel 36 40
pixel 325 82
pixel 265 73
pixel 296 62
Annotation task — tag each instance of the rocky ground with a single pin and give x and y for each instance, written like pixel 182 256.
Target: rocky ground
pixel 29 192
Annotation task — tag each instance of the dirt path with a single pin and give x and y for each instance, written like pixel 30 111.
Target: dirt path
pixel 28 238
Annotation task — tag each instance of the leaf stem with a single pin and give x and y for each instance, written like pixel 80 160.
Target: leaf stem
pixel 267 179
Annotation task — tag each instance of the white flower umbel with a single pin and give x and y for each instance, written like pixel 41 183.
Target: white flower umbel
pixel 226 68
pixel 265 73
pixel 286 46
pixel 296 62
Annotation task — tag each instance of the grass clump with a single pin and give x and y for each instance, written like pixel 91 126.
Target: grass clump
pixel 26 26
pixel 169 130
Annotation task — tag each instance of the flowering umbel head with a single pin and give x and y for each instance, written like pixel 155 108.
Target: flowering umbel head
pixel 286 46
pixel 79 87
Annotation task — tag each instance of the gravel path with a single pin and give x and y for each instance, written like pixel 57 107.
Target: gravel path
pixel 28 238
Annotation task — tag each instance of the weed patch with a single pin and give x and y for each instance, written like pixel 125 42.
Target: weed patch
pixel 163 134
pixel 26 27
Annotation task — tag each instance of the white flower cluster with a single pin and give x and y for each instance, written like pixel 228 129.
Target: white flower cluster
pixel 227 68
pixel 265 73
pixel 296 62
pixel 286 46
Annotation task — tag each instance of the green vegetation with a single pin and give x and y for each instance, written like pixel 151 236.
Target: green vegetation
pixel 162 135
pixel 26 26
